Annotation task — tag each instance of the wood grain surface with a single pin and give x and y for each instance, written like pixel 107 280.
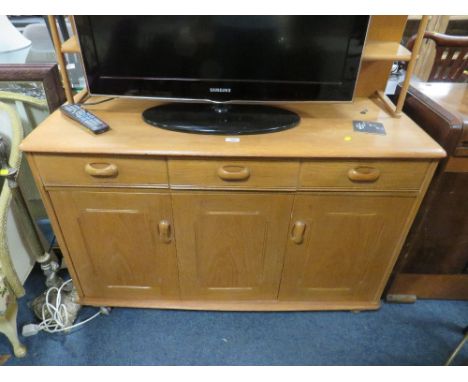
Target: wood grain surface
pixel 325 130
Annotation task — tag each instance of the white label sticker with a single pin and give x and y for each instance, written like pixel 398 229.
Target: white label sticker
pixel 232 139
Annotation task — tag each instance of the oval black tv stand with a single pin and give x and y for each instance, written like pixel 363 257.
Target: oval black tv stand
pixel 222 119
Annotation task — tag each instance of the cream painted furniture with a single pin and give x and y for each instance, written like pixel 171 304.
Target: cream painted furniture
pixel 8 313
pixel 18 112
pixel 10 284
pixel 19 244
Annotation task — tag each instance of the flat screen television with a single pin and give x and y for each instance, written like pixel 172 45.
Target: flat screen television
pixel 223 71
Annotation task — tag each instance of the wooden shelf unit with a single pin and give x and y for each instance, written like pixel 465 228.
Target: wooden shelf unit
pixel 61 49
pixel 384 51
pixel 381 49
pixel 70 45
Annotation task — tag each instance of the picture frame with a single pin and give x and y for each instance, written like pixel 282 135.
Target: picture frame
pixel 47 74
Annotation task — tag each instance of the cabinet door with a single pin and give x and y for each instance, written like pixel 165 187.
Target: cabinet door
pixel 231 245
pixel 341 246
pixel 120 243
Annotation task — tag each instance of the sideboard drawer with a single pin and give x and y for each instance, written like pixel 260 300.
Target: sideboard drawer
pixel 56 170
pixel 363 174
pixel 233 174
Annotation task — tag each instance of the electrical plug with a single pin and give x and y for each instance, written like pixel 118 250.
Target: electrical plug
pixel 30 330
pixel 105 310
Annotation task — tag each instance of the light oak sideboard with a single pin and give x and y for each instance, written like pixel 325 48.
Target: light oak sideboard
pixel 305 219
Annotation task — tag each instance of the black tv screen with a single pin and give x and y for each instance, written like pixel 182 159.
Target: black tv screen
pixel 223 58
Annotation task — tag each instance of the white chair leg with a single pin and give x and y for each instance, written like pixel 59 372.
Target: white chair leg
pixel 9 328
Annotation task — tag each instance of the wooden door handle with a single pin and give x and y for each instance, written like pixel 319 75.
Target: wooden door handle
pixel 297 232
pixel 364 174
pixel 231 172
pixel 164 228
pixel 101 170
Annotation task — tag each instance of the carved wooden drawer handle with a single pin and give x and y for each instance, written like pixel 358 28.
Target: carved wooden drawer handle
pixel 164 228
pixel 364 174
pixel 297 232
pixel 101 170
pixel 232 172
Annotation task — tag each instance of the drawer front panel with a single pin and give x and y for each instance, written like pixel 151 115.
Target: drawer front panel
pixel 363 175
pixel 233 174
pixel 101 171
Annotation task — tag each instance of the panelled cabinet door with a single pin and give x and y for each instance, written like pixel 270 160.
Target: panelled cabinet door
pixel 341 246
pixel 121 243
pixel 231 245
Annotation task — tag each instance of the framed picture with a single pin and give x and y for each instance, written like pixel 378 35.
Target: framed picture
pixel 40 81
pixel 28 94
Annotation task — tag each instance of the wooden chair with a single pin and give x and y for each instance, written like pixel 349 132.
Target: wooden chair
pixel 451 59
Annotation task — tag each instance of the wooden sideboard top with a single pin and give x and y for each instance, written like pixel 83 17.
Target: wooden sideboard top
pixel 451 96
pixel 325 131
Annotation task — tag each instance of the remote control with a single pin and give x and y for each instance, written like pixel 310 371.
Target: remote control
pixel 84 117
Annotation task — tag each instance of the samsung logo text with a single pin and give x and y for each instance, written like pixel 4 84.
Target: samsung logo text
pixel 220 90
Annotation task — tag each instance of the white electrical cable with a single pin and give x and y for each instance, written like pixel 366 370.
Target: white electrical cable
pixel 58 315
pixel 55 315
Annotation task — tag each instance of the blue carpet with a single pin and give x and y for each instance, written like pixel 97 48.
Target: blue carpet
pixel 423 333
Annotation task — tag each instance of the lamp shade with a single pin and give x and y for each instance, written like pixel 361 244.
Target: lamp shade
pixel 11 39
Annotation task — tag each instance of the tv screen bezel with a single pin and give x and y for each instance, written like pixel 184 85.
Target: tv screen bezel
pixel 248 92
